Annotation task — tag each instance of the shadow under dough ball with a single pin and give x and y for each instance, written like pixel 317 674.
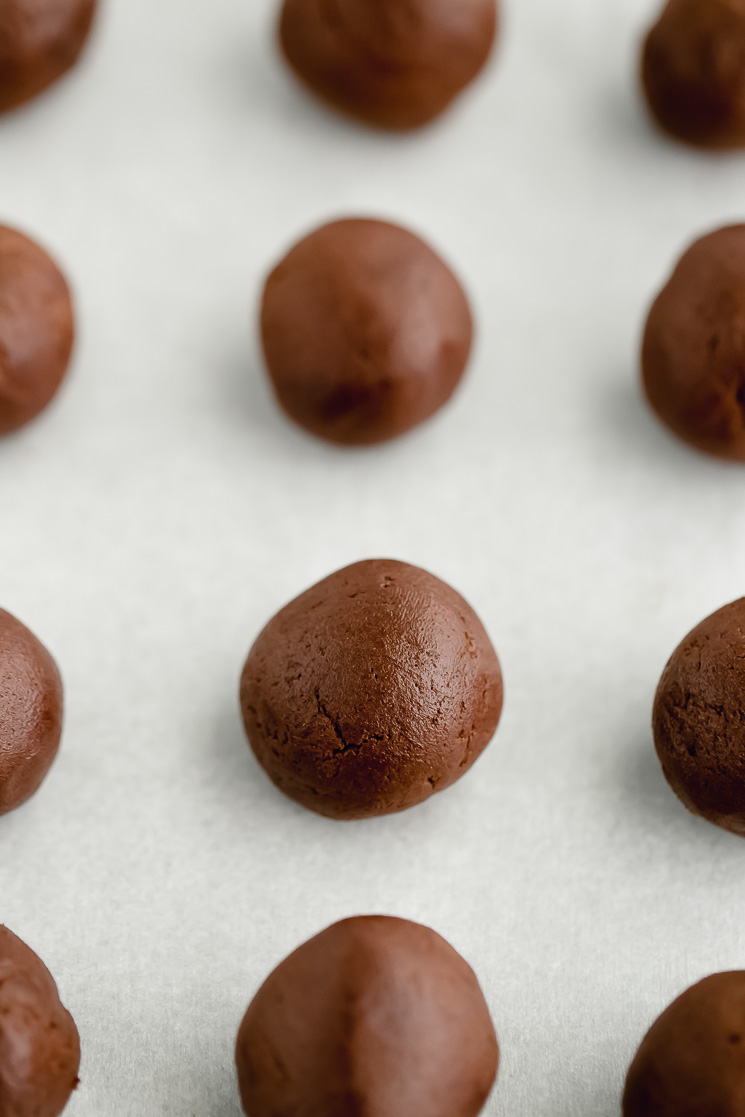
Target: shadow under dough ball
pixel 366 332
pixel 36 329
pixel 371 691
pixel 40 40
pixel 693 354
pixel 30 714
pixel 699 719
pixel 693 72
pixel 394 64
pixel 39 1044
pixel 374 1016
pixel 691 1063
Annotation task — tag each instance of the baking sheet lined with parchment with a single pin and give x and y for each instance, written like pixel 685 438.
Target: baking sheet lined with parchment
pixel 159 513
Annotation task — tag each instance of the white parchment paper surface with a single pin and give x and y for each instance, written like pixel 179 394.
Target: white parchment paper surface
pixel 162 510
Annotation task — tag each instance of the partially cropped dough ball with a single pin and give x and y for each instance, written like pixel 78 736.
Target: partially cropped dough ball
pixel 366 332
pixel 39 1044
pixel 393 64
pixel 693 71
pixel 30 713
pixel 39 41
pixel 371 691
pixel 693 356
pixel 691 1063
pixel 699 722
pixel 36 329
pixel 375 1016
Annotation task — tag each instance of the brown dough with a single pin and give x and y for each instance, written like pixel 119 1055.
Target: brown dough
pixel 39 41
pixel 693 72
pixel 699 719
pixel 366 332
pixel 374 1016
pixel 371 691
pixel 36 329
pixel 693 355
pixel 394 64
pixel 30 713
pixel 39 1044
pixel 692 1061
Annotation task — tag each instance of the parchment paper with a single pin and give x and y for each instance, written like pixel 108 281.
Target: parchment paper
pixel 162 510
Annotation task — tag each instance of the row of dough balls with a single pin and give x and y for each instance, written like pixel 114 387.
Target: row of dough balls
pixel 380 1016
pixel 367 333
pixel 398 65
pixel 379 686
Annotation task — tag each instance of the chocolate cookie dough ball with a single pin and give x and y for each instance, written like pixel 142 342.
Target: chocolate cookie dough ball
pixel 693 71
pixel 692 1061
pixel 36 328
pixel 371 691
pixel 393 64
pixel 30 714
pixel 375 1016
pixel 699 719
pixel 366 332
pixel 39 1044
pixel 39 41
pixel 693 355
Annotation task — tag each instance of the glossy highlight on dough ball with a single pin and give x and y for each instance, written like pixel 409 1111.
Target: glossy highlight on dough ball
pixel 693 72
pixel 40 40
pixel 366 332
pixel 693 353
pixel 393 64
pixel 375 1016
pixel 39 1043
pixel 30 713
pixel 371 691
pixel 36 329
pixel 698 719
pixel 691 1063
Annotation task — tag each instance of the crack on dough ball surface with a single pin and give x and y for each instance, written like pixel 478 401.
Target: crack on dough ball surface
pixel 376 1016
pixel 372 690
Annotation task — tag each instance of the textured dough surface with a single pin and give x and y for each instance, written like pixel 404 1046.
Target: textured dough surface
pixel 30 713
pixel 39 1044
pixel 371 691
pixel 699 719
